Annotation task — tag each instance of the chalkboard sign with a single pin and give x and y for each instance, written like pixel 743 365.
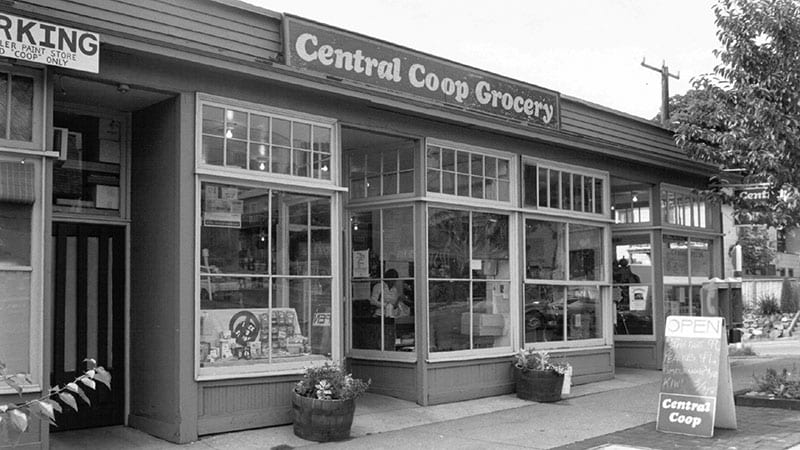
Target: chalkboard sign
pixel 696 389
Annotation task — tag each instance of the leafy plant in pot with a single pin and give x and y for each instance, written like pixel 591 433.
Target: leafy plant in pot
pixel 538 376
pixel 324 403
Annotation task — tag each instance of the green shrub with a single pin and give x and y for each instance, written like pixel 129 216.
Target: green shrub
pixel 768 305
pixel 779 385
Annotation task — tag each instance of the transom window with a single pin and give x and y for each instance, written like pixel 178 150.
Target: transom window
pixel 16 107
pixel 264 142
pixel 683 208
pixel 563 189
pixel 470 174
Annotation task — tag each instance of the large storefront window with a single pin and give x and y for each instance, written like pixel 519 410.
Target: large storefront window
pixel 564 273
pixel 469 280
pixel 265 276
pixel 383 279
pixel 263 140
pixel 687 264
pixel 633 285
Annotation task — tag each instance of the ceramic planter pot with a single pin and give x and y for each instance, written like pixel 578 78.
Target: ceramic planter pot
pixel 322 420
pixel 539 385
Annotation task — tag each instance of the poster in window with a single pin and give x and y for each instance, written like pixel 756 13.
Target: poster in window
pixel 361 264
pixel 638 297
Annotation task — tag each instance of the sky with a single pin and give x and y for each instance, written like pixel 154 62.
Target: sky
pixel 589 49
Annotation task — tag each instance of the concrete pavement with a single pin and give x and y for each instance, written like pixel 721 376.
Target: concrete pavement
pixel 618 413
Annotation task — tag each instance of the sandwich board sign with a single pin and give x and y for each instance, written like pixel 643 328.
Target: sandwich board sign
pixel 696 388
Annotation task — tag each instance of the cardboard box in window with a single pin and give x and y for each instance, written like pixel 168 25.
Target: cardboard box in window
pixel 483 324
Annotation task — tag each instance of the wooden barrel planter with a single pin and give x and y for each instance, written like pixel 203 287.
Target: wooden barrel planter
pixel 322 420
pixel 539 385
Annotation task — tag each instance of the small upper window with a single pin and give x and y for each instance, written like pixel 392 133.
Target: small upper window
pixel 631 202
pixel 568 190
pixel 262 142
pixel 469 174
pixel 684 209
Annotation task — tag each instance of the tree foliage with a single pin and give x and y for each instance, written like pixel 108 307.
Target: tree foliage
pixel 746 114
pixel 757 254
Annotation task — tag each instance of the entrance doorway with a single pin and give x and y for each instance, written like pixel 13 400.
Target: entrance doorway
pixel 89 318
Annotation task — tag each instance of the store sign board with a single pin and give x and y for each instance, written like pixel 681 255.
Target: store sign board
pixel 753 192
pixel 50 44
pixel 696 389
pixel 355 58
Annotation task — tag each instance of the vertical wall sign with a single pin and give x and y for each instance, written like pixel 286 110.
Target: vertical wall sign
pixel 696 389
pixel 343 55
pixel 46 43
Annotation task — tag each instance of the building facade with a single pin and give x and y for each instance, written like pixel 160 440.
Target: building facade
pixel 207 197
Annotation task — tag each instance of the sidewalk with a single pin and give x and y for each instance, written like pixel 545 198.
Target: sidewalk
pixel 618 413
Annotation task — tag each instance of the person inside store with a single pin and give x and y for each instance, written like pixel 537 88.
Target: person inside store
pixel 390 290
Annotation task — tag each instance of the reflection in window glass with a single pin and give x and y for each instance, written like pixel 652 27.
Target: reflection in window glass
pixel 585 251
pixel 265 276
pixel 632 292
pixel 562 189
pixel 544 250
pixel 467 174
pixel 468 268
pixel 15 234
pixel 382 282
pixel 687 264
pixel 379 165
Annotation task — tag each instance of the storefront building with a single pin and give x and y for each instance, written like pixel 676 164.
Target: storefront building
pixel 207 197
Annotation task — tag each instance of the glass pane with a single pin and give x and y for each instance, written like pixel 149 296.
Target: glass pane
pixel 373 186
pixel 676 256
pixel 477 165
pixel 281 156
pixel 588 196
pixel 502 169
pixel 389 161
pixel 543 183
pixel 406 182
pixel 21 108
pixel 598 196
pixel 3 104
pixel 301 162
pixel 487 326
pixel 320 237
pixel 491 167
pixel 585 252
pixel 555 196
pixel 406 157
pixel 583 313
pixel 15 307
pixel 477 187
pixel 236 124
pixel 281 132
pixel 566 191
pixel 448 243
pixel 448 159
pixel 490 190
pixel 357 162
pixel 577 195
pixel 701 258
pixel 389 184
pixel 544 313
pixel 504 191
pixel 433 181
pixel 544 250
pixel 212 150
pixel 633 285
pixel 322 139
pixel 373 163
pixel 259 128
pixel 232 240
pixel 322 169
pixel 15 235
pixel 259 157
pixel 213 120
pixel 358 188
pixel 433 160
pixel 462 162
pixel 301 137
pixel 531 185
pixel 236 154
pixel 448 302
pixel 462 185
pixel 489 246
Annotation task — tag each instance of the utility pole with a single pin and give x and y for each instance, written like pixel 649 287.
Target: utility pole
pixel 664 89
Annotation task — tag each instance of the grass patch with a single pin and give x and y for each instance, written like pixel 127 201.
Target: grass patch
pixel 744 350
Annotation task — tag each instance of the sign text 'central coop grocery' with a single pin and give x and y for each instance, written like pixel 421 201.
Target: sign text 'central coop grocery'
pixel 353 57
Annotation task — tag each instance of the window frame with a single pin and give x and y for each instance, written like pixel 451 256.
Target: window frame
pixel 687 280
pixel 605 209
pixel 683 191
pixel 203 99
pixel 513 174
pixel 38 136
pixel 206 173
pixel 603 285
pixel 36 330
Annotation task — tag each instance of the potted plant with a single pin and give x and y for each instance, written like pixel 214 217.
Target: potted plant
pixel 324 403
pixel 538 377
